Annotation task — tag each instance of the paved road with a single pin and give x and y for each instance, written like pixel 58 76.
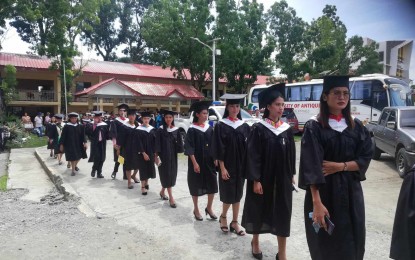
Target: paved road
pixel 176 229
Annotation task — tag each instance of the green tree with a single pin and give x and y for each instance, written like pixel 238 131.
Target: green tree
pixel 131 20
pixel 6 7
pixel 167 29
pixel 288 31
pixel 7 88
pixel 52 26
pixel 242 31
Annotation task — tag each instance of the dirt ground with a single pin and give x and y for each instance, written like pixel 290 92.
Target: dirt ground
pixel 56 229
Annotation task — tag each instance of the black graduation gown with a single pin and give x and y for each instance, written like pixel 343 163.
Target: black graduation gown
pixel 271 161
pixel 229 145
pixel 341 193
pixel 50 132
pixel 197 143
pixel 129 146
pixel 73 139
pixel 147 143
pixel 98 148
pixel 116 131
pixel 168 144
pixel 403 235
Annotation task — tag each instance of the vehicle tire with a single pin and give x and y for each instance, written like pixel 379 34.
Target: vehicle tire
pixel 376 151
pixel 402 163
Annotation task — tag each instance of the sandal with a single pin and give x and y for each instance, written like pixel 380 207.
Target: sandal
pixel 73 174
pixel 68 166
pixel 240 233
pixel 143 191
pixel 135 180
pixel 164 197
pixel 223 228
pixel 131 187
pixel 77 169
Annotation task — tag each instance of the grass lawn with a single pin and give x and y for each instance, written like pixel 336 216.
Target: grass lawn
pixel 3 183
pixel 297 138
pixel 31 142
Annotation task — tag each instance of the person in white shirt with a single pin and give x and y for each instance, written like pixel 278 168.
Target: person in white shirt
pixel 39 124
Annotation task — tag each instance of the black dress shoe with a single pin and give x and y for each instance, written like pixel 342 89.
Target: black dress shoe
pixel 93 173
pixel 147 187
pixel 173 205
pixel 255 255
pixel 77 169
pixel 99 175
pixel 113 175
pixel 198 218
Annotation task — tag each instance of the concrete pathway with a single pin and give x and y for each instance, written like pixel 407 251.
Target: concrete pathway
pixel 25 172
pixel 175 229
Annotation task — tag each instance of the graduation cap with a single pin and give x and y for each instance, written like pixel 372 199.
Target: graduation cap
pixel 167 112
pixel 330 82
pixel 86 120
pixel 73 114
pixel 123 106
pixel 131 112
pixel 145 114
pixel 58 116
pixel 199 106
pixel 269 94
pixel 233 98
pixel 97 113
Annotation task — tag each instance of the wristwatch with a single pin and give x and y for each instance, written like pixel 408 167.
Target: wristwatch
pixel 345 166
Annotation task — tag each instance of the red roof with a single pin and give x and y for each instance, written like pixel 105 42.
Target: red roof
pixel 261 80
pixel 24 61
pixel 101 67
pixel 148 89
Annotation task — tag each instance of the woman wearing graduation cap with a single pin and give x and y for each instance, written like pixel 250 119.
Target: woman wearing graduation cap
pixel 201 173
pixel 336 150
pixel 116 134
pixel 269 172
pixel 50 128
pixel 146 155
pixel 98 134
pixel 229 148
pixel 129 145
pixel 168 144
pixel 54 133
pixel 73 142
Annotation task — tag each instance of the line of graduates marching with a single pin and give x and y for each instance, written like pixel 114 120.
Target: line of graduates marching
pixel 336 150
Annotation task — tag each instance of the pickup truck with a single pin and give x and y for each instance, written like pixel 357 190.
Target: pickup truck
pixel 215 114
pixel 394 134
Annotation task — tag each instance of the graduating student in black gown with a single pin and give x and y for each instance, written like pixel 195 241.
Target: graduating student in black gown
pixel 98 133
pixel 229 148
pixel 50 129
pixel 129 145
pixel 269 173
pixel 201 172
pixel 336 150
pixel 55 133
pixel 168 144
pixel 73 142
pixel 146 156
pixel 403 235
pixel 116 134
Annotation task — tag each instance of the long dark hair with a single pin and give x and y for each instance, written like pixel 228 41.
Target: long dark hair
pixel 164 124
pixel 266 111
pixel 197 111
pixel 323 116
pixel 226 113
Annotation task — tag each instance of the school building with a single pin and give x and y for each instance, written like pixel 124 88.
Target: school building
pixel 103 86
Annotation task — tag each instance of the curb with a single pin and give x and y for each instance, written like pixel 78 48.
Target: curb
pixel 60 186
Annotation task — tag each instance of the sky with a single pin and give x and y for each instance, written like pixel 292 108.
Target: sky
pixel 380 20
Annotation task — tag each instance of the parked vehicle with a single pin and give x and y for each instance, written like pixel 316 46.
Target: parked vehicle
pixel 290 118
pixel 394 134
pixel 215 114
